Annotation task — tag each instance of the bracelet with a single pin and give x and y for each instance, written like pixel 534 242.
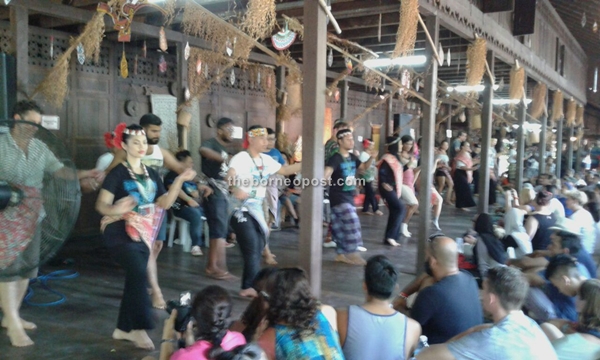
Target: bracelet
pixel 403 295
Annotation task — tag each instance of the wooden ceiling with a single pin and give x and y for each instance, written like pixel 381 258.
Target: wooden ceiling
pixel 571 12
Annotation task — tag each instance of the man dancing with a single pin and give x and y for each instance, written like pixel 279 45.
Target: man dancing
pixel 341 171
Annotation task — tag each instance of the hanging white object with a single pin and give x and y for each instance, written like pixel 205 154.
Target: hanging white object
pixel 448 57
pixel 232 77
pixel 583 20
pixel 595 89
pixel 330 58
pixel 186 51
pixel 501 84
pixel 283 39
pixel 417 85
pixel 187 94
pixel 379 30
pixel 258 77
pixel 228 48
pixel 80 54
pixel 441 54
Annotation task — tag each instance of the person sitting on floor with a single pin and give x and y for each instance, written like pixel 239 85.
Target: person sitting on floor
pixel 512 336
pixel 451 305
pixel 374 330
pixel 575 201
pixel 580 341
pixel 488 251
pixel 211 310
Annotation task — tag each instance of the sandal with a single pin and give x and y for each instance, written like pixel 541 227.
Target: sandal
pixel 222 276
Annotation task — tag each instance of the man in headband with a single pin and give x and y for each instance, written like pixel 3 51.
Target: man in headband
pixel 248 176
pixel 341 170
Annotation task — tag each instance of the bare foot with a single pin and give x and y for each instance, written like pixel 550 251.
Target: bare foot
pixel 219 274
pixel 158 302
pixel 270 259
pixel 248 293
pixel 138 337
pixel 18 337
pixel 466 209
pixel 27 325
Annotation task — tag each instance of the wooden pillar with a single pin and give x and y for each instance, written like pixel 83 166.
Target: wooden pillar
pixel 280 83
pixel 428 140
pixel 542 144
pixel 486 139
pixel 182 83
pixel 19 28
pixel 559 142
pixel 344 99
pixel 313 166
pixel 521 114
pixel 578 155
pixel 389 123
pixel 449 122
pixel 570 148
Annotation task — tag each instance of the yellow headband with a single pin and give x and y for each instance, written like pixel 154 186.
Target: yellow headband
pixel 257 132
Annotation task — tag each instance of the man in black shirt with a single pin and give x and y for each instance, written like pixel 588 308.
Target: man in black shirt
pixel 341 170
pixel 214 166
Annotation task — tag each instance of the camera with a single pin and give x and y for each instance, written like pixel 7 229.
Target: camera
pixel 184 311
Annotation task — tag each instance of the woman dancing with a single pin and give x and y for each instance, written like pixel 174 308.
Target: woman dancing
pixel 390 188
pixel 442 172
pixel 463 168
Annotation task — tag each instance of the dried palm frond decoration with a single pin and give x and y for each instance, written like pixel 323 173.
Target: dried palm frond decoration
pixel 407 30
pixel 474 116
pixel 212 67
pixel 260 19
pixel 557 106
pixel 292 105
pixel 372 79
pixel 538 103
pixel 580 116
pixel 294 72
pixel 476 54
pixel 571 112
pixel 169 12
pixel 54 87
pixel 295 25
pixel 517 82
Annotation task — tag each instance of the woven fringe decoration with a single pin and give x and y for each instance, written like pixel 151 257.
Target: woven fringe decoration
pixel 517 83
pixel 580 116
pixel 260 19
pixel 476 61
pixel 54 87
pixel 571 112
pixel 538 103
pixel 296 26
pixel 293 106
pixel 557 106
pixel 217 64
pixel 407 30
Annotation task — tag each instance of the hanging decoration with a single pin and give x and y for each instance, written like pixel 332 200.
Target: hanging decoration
pixel 228 48
pixel 260 19
pixel 232 77
pixel 330 58
pixel 476 53
pixel 595 88
pixel 579 117
pixel 337 95
pixel 135 65
pixel 122 14
pixel 144 50
pixel 198 66
pixel 379 29
pixel 595 27
pixel 407 30
pixel 162 39
pixel 557 106
pixel 51 51
pixel 417 85
pixel 516 91
pixel 162 64
pixel 187 94
pixel 295 25
pixel 283 39
pixel 571 112
pixel 124 67
pixel 583 20
pixel 348 64
pixel 538 103
pixel 186 51
pixel 81 54
pixel 448 57
pixel 441 53
pixel 258 77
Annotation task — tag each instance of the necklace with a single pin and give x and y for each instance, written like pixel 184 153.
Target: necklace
pixel 259 168
pixel 144 184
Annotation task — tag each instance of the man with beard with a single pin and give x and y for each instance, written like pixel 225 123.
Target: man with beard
pixel 156 158
pixel 215 161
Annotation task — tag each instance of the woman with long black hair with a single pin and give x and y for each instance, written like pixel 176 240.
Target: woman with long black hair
pixel 390 188
pixel 463 168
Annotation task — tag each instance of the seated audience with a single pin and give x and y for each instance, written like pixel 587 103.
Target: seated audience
pixel 488 252
pixel 451 305
pixel 581 340
pixel 515 234
pixel 555 204
pixel 512 336
pixel 539 221
pixel 211 310
pixel 374 330
pixel 299 327
pixel 584 220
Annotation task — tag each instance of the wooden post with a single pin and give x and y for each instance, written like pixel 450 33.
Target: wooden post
pixel 522 114
pixel 313 166
pixel 570 149
pixel 389 123
pixel 19 28
pixel 280 83
pixel 182 74
pixel 559 143
pixel 542 144
pixel 486 139
pixel 428 139
pixel 578 156
pixel 449 124
pixel 344 99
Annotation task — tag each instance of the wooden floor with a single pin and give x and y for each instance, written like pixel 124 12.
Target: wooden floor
pixel 81 327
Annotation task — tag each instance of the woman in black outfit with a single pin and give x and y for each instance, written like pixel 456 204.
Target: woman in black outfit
pixel 390 188
pixel 538 223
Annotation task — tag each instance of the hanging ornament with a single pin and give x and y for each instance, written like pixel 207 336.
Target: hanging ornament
pixel 448 57
pixel 379 30
pixel 198 66
pixel 232 77
pixel 268 81
pixel 283 39
pixel 187 94
pixel 348 64
pixel 258 77
pixel 80 54
pixel 417 85
pixel 462 117
pixel 228 48
pixel 144 52
pixel 595 88
pixel 186 51
pixel 330 58
pixel 51 52
pixel 405 79
pixel 162 64
pixel 337 95
pixel 124 68
pixel 583 20
pixel 595 27
pixel 135 65
pixel 162 39
pixel 441 54
pixel 501 84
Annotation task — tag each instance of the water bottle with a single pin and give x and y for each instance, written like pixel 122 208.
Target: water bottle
pixel 422 344
pixel 460 244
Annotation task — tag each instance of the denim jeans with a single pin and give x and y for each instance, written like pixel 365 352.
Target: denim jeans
pixel 193 215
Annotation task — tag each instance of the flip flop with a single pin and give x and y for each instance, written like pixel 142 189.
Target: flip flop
pixel 223 276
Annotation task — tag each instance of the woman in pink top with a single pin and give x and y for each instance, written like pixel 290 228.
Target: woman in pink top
pixel 211 309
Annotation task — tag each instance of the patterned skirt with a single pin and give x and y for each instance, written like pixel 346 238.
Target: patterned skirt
pixel 345 228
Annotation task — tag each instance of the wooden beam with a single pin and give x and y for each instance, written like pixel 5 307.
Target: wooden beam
pixel 522 115
pixel 428 139
pixel 486 136
pixel 313 111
